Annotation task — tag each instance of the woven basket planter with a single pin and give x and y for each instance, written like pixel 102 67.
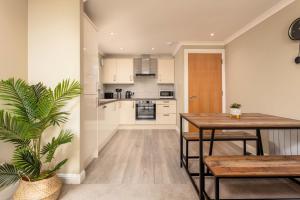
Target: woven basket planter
pixel 47 189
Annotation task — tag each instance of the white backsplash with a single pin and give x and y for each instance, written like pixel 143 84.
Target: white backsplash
pixel 143 87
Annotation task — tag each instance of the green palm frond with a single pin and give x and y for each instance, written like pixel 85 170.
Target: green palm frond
pixel 49 173
pixel 45 101
pixel 27 162
pixel 65 91
pixel 15 131
pixel 8 175
pixel 20 97
pixel 65 136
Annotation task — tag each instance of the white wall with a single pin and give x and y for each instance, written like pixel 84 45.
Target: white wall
pixel 260 68
pixel 13 49
pixel 53 55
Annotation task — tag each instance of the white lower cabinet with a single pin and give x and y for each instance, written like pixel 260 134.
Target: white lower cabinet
pixel 108 122
pixel 166 112
pixel 167 119
pixel 127 112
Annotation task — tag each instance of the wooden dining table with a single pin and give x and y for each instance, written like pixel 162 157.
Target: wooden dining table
pixel 221 121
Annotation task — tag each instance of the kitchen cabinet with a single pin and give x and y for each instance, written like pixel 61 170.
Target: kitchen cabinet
pixel 108 123
pixel 166 112
pixel 165 71
pixel 109 71
pixel 118 71
pixel 89 97
pixel 127 112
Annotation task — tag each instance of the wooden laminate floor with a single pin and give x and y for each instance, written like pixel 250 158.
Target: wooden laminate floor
pixel 144 165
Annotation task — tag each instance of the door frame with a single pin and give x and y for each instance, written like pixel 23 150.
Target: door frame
pixel 186 77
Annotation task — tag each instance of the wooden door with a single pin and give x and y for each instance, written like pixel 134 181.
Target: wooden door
pixel 205 83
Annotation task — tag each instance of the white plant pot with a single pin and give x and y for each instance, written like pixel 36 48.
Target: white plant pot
pixel 236 112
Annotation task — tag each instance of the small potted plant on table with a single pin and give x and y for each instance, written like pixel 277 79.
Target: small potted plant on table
pixel 235 110
pixel 31 110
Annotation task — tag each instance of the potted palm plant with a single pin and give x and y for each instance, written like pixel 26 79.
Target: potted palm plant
pixel 31 109
pixel 235 110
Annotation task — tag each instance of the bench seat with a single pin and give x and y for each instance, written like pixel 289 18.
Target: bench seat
pixel 253 166
pixel 221 136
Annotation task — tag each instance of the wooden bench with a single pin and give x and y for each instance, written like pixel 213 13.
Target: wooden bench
pixel 216 136
pixel 252 167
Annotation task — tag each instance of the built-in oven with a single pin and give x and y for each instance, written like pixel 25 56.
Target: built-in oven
pixel 166 94
pixel 145 110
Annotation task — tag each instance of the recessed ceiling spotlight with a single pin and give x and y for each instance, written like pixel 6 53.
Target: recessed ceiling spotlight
pixel 112 33
pixel 169 43
pixel 121 48
pixel 212 34
pixel 152 48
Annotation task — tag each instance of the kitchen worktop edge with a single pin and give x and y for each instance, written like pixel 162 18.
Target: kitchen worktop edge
pixel 107 101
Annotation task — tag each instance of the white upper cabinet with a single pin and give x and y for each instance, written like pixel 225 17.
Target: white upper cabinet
pixel 125 71
pixel 109 72
pixel 165 70
pixel 118 71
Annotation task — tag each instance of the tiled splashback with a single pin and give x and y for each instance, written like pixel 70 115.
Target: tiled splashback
pixel 143 87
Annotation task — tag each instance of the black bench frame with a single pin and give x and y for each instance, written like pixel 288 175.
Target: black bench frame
pixel 186 157
pixel 217 187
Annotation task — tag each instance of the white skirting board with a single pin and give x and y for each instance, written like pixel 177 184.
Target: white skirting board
pixel 147 126
pixel 72 178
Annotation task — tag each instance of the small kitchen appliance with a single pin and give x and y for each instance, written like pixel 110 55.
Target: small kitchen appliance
pixel 108 95
pixel 166 94
pixel 119 93
pixel 129 94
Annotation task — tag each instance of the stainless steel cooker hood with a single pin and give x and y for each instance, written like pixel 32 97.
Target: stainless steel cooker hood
pixel 145 66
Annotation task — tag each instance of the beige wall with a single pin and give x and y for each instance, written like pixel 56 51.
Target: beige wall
pixel 179 75
pixel 53 55
pixel 13 48
pixel 260 69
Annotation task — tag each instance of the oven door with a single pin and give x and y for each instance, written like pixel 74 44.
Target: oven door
pixel 145 112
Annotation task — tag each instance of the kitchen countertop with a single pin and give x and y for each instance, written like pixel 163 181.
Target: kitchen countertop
pixel 106 101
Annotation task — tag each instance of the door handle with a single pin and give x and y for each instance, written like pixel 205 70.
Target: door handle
pixel 193 97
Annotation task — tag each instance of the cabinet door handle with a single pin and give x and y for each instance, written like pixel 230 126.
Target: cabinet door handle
pixel 166 106
pixel 133 104
pixel 166 101
pixel 104 107
pixel 166 115
pixel 130 77
pixel 114 77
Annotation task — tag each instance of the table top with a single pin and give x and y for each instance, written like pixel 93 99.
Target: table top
pixel 247 120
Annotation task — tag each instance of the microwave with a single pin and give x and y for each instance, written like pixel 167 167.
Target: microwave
pixel 166 94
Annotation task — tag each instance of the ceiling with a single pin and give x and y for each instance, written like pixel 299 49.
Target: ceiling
pixel 157 26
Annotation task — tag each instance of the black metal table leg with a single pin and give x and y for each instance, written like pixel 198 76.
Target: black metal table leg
pixel 211 142
pixel 245 147
pixel 181 142
pixel 217 188
pixel 259 146
pixel 201 166
pixel 187 154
